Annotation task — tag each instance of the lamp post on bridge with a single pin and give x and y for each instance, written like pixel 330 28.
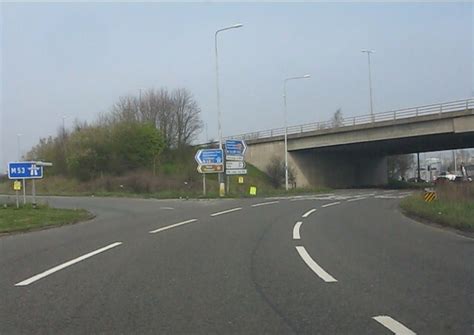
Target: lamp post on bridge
pixel 286 123
pixel 219 128
pixel 368 52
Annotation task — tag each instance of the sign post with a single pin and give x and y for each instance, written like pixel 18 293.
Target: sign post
pixel 234 155
pixel 24 171
pixel 209 161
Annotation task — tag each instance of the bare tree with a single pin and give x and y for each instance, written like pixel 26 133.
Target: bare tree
pixel 175 114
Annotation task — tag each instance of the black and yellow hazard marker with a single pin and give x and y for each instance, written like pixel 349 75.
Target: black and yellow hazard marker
pixel 429 196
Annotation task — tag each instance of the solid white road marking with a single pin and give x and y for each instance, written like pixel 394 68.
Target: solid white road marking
pixel 355 199
pixel 296 230
pixel 227 211
pixel 314 266
pixel 168 208
pixel 395 326
pixel 331 204
pixel 65 265
pixel 308 213
pixel 265 203
pixel 172 226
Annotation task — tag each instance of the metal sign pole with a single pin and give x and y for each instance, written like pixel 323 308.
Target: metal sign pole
pixel 24 191
pixel 228 184
pixel 204 184
pixel 17 200
pixel 33 193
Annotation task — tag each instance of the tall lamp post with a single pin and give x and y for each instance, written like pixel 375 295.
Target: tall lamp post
pixel 368 52
pixel 221 177
pixel 286 123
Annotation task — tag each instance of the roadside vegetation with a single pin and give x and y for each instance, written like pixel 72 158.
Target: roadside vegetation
pixel 141 147
pixel 454 207
pixel 26 218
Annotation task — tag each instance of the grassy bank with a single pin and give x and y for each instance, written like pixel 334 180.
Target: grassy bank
pixel 457 214
pixel 29 218
pixel 171 182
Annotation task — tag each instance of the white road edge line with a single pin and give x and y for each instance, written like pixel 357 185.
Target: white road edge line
pixel 308 213
pixel 172 226
pixel 65 265
pixel 296 230
pixel 331 204
pixel 227 211
pixel 355 199
pixel 396 327
pixel 265 203
pixel 314 266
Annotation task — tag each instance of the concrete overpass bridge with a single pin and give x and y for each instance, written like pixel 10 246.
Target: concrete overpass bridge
pixel 354 151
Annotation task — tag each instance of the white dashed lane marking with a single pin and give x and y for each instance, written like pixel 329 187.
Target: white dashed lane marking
pixel 396 327
pixel 65 265
pixel 227 211
pixel 296 230
pixel 308 213
pixel 314 266
pixel 172 226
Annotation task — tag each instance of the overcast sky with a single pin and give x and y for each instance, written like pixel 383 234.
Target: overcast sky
pixel 77 59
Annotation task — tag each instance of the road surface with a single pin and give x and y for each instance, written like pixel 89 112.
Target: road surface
pixel 347 262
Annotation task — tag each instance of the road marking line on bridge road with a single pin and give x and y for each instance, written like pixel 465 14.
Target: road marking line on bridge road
pixel 168 208
pixel 65 265
pixel 308 213
pixel 227 211
pixel 296 230
pixel 265 203
pixel 355 199
pixel 314 266
pixel 331 204
pixel 396 327
pixel 172 226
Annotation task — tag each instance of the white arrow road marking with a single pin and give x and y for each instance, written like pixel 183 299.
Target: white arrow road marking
pixel 296 230
pixel 308 213
pixel 227 211
pixel 265 203
pixel 331 204
pixel 396 327
pixel 65 265
pixel 172 226
pixel 314 266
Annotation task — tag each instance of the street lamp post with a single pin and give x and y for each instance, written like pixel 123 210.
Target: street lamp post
pixel 19 159
pixel 18 146
pixel 368 52
pixel 221 177
pixel 286 123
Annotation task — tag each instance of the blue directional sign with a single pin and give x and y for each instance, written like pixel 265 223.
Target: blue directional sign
pixel 210 157
pixel 24 170
pixel 235 147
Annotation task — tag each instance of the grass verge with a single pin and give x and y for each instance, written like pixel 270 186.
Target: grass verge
pixel 456 214
pixel 29 218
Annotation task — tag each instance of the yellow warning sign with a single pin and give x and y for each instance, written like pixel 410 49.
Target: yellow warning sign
pixel 241 180
pixel 17 185
pixel 430 196
pixel 253 190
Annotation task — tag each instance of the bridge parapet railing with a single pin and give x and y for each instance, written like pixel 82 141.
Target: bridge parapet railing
pixel 398 114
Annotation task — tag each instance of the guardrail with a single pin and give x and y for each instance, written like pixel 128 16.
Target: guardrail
pixel 398 114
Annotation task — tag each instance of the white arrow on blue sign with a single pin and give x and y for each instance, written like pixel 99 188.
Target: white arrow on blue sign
pixel 210 157
pixel 24 170
pixel 235 147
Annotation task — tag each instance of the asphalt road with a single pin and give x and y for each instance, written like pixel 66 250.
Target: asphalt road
pixel 343 263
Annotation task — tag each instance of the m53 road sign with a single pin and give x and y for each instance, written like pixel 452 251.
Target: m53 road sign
pixel 25 170
pixel 210 160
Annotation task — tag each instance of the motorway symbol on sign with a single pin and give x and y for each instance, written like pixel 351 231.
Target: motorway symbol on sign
pixel 209 157
pixel 235 165
pixel 236 171
pixel 212 168
pixel 235 147
pixel 24 170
